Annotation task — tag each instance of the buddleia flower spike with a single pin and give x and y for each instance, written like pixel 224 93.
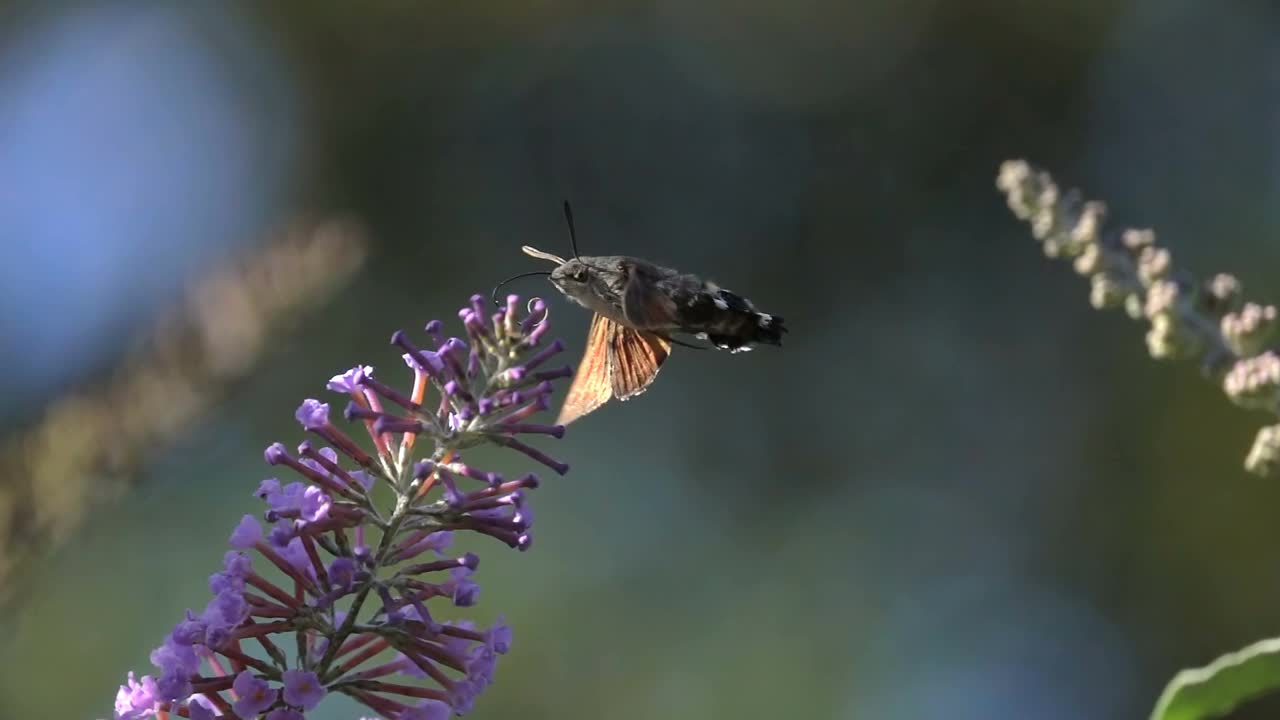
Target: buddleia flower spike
pixel 333 588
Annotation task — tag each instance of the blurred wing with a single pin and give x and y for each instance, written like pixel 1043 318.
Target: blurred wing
pixel 643 305
pixel 635 360
pixel 591 387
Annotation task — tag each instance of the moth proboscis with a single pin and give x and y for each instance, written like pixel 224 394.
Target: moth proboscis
pixel 638 306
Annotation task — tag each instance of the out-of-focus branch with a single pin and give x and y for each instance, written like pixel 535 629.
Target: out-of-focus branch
pixel 1204 320
pixel 88 444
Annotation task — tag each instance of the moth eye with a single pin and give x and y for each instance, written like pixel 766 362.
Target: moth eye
pixel 580 275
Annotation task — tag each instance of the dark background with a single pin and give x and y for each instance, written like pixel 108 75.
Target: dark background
pixel 958 492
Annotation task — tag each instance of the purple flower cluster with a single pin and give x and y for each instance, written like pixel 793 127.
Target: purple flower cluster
pixel 329 546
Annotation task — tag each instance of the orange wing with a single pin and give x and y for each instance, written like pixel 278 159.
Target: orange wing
pixel 591 386
pixel 636 357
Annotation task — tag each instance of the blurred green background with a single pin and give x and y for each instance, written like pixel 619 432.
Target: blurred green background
pixel 957 493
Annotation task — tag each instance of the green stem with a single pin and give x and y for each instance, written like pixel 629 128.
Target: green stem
pixel 340 635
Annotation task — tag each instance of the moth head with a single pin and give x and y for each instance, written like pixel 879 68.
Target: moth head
pixel 572 278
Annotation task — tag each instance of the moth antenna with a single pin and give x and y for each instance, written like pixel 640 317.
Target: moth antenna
pixel 573 236
pixel 498 287
pixel 535 252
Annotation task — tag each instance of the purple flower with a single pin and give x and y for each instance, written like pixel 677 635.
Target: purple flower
pixel 463 696
pixel 349 381
pixel 247 534
pixel 185 634
pixel 313 506
pixel 268 487
pixel 255 694
pixel 464 393
pixel 364 478
pixel 433 361
pixel 301 501
pixel 136 699
pixel 342 572
pixel 223 614
pixel 283 533
pixel 200 707
pixel 177 663
pixel 295 552
pixel 274 454
pixel 175 655
pixel 407 666
pixel 329 454
pixel 302 689
pixel 460 587
pixel 499 637
pixel 459 634
pixel 481 664
pixel 236 566
pixel 427 710
pixel 172 686
pixel 436 542
pixel 313 414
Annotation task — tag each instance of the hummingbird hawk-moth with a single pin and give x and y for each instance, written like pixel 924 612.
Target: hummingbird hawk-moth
pixel 637 307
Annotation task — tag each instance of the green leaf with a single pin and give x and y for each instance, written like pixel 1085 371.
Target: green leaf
pixel 1217 688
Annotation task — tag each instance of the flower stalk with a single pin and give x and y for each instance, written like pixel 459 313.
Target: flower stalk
pixel 1205 320
pixel 361 618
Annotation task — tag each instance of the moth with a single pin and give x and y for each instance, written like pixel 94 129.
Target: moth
pixel 637 307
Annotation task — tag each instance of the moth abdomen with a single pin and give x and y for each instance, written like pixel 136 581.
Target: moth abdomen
pixel 730 322
pixel 769 328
